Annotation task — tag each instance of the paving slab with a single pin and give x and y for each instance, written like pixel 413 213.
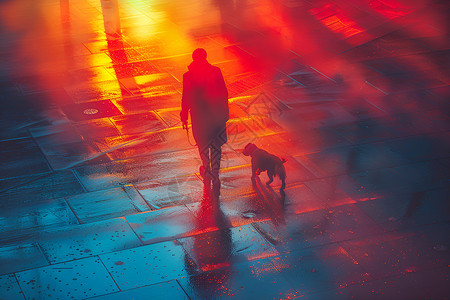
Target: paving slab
pixel 165 290
pixel 232 212
pixel 376 156
pixel 13 128
pixel 148 265
pixel 40 187
pixel 64 155
pixel 361 108
pixel 163 224
pixel 383 181
pixel 145 103
pixel 131 69
pixel 310 78
pixel 91 110
pixel 71 280
pixel 436 116
pixel 223 247
pixel 128 146
pixel 173 64
pixel 96 74
pixel 246 130
pixel 236 181
pixel 84 61
pixel 319 227
pixel 10 288
pixel 98 128
pixel 399 45
pixel 300 231
pixel 139 169
pixel 100 91
pixel 137 123
pixel 366 131
pixel 171 115
pixel 332 162
pixel 422 147
pixel 122 56
pixel 408 101
pixel 320 269
pixel 428 174
pixel 21 256
pixel 86 240
pixel 249 83
pixel 172 191
pixel 349 222
pixel 430 284
pixel 21 157
pixel 299 198
pixel 27 219
pixel 281 144
pixel 441 92
pixel 426 247
pixel 315 116
pixel 336 190
pixel 317 139
pixel 104 204
pixel 159 84
pixel 408 209
pixel 386 66
pixel 258 279
pixel 412 123
pixel 393 254
pixel 354 159
pixel 59 129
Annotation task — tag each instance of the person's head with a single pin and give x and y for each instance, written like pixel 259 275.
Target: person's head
pixel 199 54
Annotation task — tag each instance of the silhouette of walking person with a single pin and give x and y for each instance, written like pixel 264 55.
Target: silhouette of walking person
pixel 205 97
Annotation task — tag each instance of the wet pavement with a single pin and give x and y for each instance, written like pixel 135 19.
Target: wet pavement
pixel 100 195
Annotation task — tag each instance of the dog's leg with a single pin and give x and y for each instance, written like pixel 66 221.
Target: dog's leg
pixel 283 184
pixel 254 171
pixel 282 176
pixel 270 175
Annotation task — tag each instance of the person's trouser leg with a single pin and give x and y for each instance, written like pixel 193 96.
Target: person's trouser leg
pixel 216 154
pixel 205 169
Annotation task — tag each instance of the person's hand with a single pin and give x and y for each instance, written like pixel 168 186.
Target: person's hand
pixel 185 125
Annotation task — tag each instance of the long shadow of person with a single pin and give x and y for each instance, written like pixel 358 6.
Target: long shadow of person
pixel 211 251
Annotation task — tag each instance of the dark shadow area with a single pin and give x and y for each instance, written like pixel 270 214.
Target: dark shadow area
pixel 271 203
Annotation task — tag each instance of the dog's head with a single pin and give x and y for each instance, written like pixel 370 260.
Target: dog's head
pixel 249 148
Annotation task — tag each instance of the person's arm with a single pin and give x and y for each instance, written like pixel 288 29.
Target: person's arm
pixel 224 94
pixel 222 85
pixel 185 102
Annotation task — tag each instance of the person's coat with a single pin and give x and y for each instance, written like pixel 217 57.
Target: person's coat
pixel 205 96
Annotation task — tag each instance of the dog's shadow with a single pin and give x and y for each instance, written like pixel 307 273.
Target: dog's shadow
pixel 273 203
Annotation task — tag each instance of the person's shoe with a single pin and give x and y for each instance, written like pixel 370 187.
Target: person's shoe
pixel 206 178
pixel 216 188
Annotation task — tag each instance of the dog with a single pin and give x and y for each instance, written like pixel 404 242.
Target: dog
pixel 264 161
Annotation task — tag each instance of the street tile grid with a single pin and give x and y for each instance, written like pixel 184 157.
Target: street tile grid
pixel 274 261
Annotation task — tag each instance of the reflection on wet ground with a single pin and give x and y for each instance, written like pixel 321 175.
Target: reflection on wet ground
pixel 99 191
